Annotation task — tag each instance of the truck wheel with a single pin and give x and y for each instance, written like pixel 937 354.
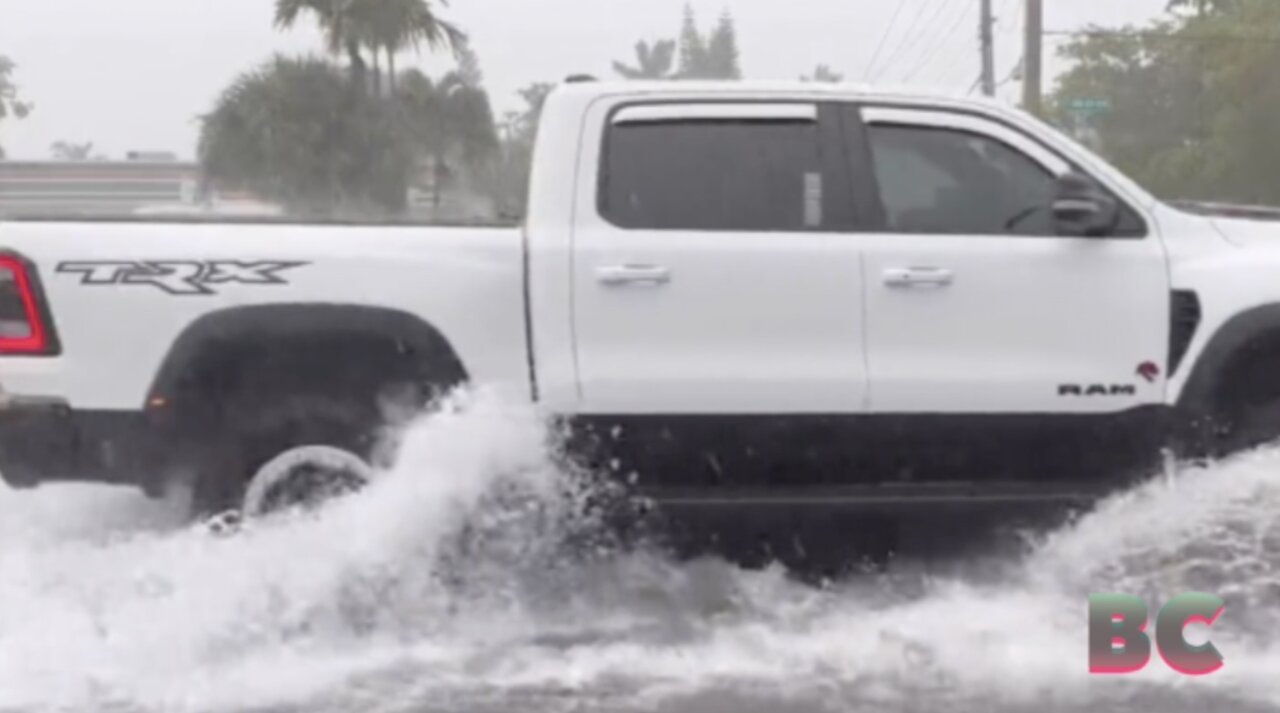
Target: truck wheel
pixel 304 478
pixel 297 452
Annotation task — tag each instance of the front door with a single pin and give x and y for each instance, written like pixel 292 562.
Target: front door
pixel 975 304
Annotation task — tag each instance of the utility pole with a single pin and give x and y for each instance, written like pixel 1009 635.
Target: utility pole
pixel 1033 68
pixel 987 34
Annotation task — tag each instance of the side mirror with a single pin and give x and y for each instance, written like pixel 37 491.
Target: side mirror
pixel 1082 208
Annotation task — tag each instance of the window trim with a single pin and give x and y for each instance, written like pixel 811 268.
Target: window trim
pixel 714 111
pixel 841 215
pixel 863 163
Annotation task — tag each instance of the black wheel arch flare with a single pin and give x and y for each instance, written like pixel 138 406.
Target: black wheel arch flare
pixel 1211 369
pixel 282 321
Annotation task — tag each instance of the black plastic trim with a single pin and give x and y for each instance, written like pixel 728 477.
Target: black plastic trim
pixel 527 265
pixel 52 443
pixel 56 443
pixel 1184 321
pixel 880 499
pixel 265 322
pixel 817 451
pixel 1199 396
pixel 865 189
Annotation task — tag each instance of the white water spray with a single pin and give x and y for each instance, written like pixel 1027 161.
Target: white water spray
pixel 444 586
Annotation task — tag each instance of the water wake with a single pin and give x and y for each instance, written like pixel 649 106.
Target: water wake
pixel 470 576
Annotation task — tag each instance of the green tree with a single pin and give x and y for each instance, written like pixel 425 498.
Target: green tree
pixel 509 182
pixel 292 132
pixel 652 61
pixel 722 50
pixel 713 56
pixel 10 104
pixel 534 96
pixel 694 56
pixel 1131 94
pixel 1179 105
pixel 451 124
pixel 1204 7
pixel 468 65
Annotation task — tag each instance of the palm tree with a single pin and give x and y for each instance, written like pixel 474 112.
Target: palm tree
pixel 652 61
pixel 336 21
pixel 392 26
pixel 389 26
pixel 451 122
pixel 9 102
pixel 292 132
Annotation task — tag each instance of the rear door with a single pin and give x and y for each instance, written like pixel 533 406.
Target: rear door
pixel 713 267
pixel 974 302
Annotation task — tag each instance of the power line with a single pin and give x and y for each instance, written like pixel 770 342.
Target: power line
pixel 935 21
pixel 915 22
pixel 942 40
pixel 950 73
pixel 955 72
pixel 884 40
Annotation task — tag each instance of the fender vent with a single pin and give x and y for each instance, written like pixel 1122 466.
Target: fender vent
pixel 1185 316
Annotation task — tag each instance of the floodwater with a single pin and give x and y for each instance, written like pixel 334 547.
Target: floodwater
pixel 467 580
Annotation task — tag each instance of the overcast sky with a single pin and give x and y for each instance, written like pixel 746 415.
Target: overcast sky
pixel 134 74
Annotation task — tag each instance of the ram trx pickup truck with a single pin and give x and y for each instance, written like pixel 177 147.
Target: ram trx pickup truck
pixel 765 295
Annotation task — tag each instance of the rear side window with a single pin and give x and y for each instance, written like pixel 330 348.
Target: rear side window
pixel 716 175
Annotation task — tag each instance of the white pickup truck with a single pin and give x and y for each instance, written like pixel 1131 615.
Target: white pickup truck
pixel 750 295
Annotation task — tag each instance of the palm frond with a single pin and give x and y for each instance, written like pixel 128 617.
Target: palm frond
pixel 288 11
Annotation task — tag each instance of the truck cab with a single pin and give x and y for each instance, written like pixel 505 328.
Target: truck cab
pixel 895 293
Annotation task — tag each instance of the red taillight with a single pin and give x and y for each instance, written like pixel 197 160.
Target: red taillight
pixel 22 329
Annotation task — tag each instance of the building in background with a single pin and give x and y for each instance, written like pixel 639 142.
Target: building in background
pixel 158 185
pixel 144 184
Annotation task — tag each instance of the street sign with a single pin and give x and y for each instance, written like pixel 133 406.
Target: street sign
pixel 1088 106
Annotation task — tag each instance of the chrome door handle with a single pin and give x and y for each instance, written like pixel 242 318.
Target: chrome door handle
pixel 652 275
pixel 918 277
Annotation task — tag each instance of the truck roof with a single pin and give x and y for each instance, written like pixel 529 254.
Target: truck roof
pixel 587 87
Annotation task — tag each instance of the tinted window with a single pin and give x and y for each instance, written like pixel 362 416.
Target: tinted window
pixel 741 175
pixel 946 181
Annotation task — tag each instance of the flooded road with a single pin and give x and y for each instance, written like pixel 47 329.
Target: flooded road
pixel 447 587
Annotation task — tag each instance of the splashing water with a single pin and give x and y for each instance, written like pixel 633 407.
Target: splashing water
pixel 462 580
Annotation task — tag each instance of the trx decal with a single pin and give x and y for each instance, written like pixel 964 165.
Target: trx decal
pixel 180 277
